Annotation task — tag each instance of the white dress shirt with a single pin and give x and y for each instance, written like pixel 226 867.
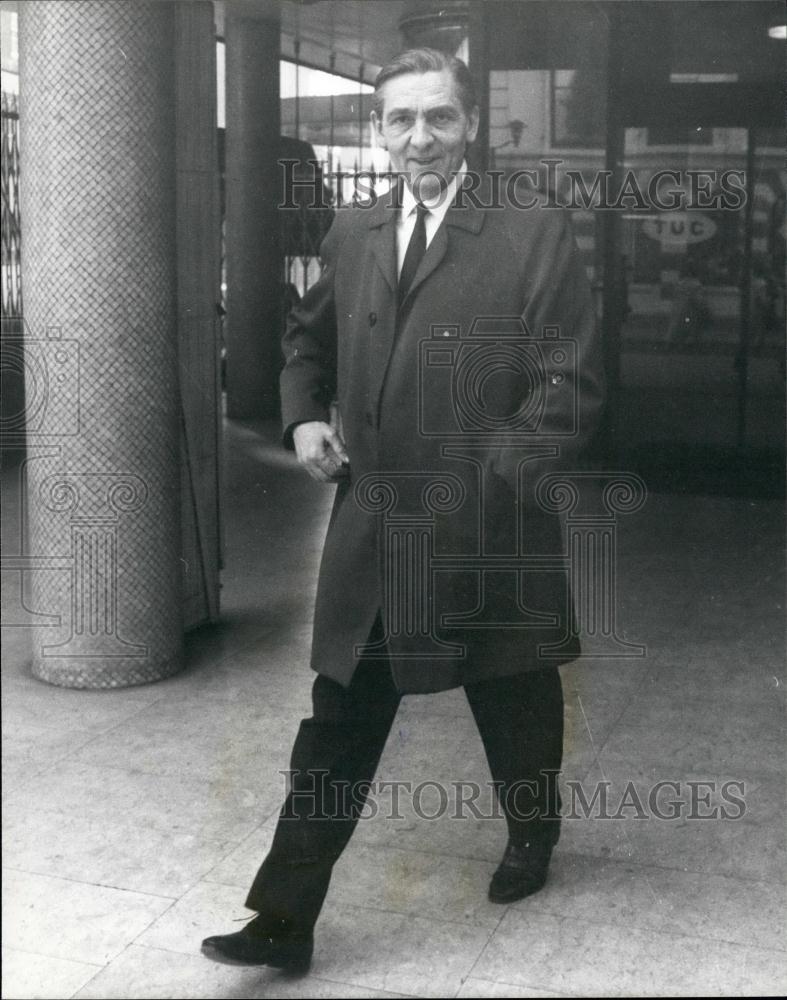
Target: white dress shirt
pixel 407 215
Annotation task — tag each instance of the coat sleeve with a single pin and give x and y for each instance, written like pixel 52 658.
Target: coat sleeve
pixel 308 380
pixel 557 297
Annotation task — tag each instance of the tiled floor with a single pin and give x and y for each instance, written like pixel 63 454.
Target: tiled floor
pixel 135 819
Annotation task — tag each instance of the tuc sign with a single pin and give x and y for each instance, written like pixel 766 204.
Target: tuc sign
pixel 680 228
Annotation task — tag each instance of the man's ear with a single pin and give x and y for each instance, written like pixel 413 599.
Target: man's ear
pixel 377 127
pixel 472 124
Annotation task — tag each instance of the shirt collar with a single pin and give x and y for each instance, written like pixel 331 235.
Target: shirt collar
pixel 439 205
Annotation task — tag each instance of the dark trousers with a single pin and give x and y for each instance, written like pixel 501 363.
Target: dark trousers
pixel 336 752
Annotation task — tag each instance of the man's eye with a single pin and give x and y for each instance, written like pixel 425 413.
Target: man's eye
pixel 399 121
pixel 442 118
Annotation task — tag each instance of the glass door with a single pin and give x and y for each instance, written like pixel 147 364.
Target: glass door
pixel 699 298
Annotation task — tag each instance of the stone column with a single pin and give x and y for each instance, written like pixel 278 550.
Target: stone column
pixel 253 325
pixel 97 200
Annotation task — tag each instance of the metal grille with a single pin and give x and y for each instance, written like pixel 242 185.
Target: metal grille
pixel 305 227
pixel 11 229
pixel 331 179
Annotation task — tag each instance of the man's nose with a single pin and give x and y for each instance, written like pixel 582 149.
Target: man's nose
pixel 421 135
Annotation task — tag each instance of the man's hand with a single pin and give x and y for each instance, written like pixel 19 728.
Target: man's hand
pixel 320 451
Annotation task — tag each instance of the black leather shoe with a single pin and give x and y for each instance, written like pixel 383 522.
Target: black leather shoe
pixel 522 871
pixel 256 945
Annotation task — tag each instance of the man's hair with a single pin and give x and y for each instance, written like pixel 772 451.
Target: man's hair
pixel 427 61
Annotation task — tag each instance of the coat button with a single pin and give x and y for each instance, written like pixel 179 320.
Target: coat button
pixel 370 419
pixel 372 318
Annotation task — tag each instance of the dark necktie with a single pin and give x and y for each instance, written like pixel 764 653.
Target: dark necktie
pixel 416 248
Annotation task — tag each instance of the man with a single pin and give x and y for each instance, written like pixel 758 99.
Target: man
pixel 427 326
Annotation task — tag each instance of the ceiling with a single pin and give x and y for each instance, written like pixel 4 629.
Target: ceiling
pixel 357 36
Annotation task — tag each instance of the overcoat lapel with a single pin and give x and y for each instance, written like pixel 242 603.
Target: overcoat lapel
pixel 382 237
pixel 383 240
pixel 382 225
pixel 382 221
pixel 462 214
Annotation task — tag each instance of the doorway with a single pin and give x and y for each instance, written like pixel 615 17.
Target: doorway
pixel 699 298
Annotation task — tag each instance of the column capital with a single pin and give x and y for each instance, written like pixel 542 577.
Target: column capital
pixel 382 493
pixel 591 495
pixel 93 497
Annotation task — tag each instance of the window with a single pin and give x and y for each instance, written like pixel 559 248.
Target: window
pixel 578 112
pixel 680 135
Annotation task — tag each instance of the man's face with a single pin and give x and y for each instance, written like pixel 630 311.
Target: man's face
pixel 425 129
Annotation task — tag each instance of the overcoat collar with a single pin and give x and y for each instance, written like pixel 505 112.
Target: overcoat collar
pixel 464 214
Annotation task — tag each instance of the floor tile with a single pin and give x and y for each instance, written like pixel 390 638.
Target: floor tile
pixel 127 855
pixel 384 877
pixel 16 651
pixel 749 843
pixel 720 677
pixel 434 792
pixel 239 867
pixel 72 920
pixel 207 648
pixel 747 654
pixel 416 752
pixel 190 738
pixel 29 749
pixel 30 976
pixel 143 973
pixel 474 987
pixel 170 803
pixel 365 947
pixel 720 908
pixel 271 670
pixel 396 952
pixel 425 885
pixel 38 704
pixel 700 734
pixel 593 677
pixel 580 957
pixel 131 830
pixel 452 703
pixel 208 908
pixel 423 777
pixel 589 719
